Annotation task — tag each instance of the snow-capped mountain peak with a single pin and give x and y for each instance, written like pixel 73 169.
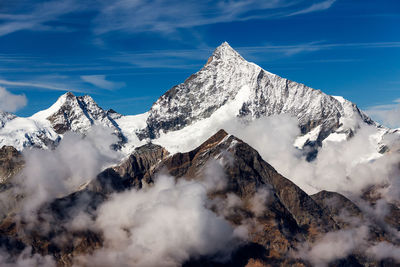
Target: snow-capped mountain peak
pixel 75 113
pixel 227 79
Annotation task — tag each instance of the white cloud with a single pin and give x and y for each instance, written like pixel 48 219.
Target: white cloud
pixel 168 16
pixel 384 250
pixel 36 85
pixel 101 82
pixel 149 15
pixel 333 246
pixel 38 16
pixel 48 174
pixel 26 258
pixel 388 114
pixel 315 7
pixel 258 203
pixel 10 102
pixel 178 59
pixel 347 166
pixel 162 225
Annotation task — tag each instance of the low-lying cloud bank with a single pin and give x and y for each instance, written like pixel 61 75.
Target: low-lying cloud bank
pixel 346 166
pixel 49 174
pixel 163 225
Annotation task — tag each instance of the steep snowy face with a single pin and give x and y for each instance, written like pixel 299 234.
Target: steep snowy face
pixel 78 114
pixel 228 77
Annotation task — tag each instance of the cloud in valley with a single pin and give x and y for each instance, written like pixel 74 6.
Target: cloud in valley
pixel 26 258
pixel 165 224
pixel 346 166
pixel 55 173
pixel 333 246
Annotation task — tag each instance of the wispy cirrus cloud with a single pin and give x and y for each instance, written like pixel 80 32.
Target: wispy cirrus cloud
pixel 314 8
pixel 101 82
pixel 178 59
pixel 146 15
pixel 39 85
pixel 168 16
pixel 293 49
pixel 35 17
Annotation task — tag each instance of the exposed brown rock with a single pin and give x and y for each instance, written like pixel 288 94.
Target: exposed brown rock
pixel 11 162
pixel 338 206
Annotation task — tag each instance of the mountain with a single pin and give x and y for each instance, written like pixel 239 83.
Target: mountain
pixel 181 197
pixel 279 225
pixel 228 79
pixel 226 88
pixel 77 114
pixel 45 128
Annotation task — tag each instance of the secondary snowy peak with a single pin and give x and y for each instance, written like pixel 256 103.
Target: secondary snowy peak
pixel 76 113
pixel 46 128
pixel 228 78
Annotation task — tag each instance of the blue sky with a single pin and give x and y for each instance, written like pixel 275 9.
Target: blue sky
pixel 126 53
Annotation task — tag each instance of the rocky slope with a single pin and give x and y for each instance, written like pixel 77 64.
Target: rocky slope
pixel 11 162
pixel 285 220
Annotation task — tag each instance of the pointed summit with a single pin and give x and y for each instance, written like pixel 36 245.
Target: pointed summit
pixel 225 53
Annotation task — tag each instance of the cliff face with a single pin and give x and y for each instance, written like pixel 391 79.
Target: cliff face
pixel 11 162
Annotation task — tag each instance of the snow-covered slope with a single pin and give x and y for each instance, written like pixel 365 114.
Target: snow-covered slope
pixel 27 132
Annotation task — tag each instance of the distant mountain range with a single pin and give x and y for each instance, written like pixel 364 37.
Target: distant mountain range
pixel 226 87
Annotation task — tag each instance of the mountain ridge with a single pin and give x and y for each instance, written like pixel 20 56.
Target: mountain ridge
pixel 226 82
